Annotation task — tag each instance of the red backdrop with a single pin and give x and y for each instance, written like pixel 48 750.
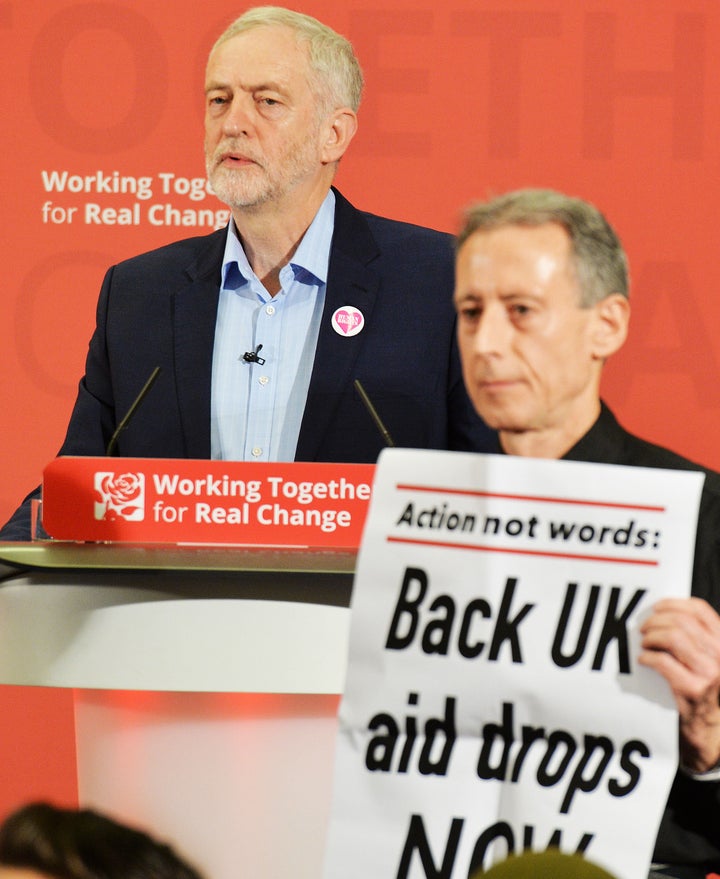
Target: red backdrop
pixel 610 100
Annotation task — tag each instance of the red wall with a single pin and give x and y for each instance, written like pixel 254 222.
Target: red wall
pixel 610 100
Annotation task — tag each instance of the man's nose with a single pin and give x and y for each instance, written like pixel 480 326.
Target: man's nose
pixel 237 120
pixel 492 332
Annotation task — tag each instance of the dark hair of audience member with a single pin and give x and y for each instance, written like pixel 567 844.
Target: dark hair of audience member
pixel 84 844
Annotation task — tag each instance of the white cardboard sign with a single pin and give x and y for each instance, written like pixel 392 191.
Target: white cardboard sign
pixel 493 702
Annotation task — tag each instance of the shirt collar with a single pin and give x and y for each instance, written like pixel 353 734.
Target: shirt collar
pixel 600 443
pixel 603 442
pixel 309 262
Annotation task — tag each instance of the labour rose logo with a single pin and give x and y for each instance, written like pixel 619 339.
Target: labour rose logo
pixel 120 497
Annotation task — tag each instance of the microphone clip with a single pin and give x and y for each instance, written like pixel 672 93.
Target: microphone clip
pixel 252 356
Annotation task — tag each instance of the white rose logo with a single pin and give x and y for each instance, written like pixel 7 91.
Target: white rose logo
pixel 120 497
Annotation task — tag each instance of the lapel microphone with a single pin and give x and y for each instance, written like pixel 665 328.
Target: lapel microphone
pixel 252 356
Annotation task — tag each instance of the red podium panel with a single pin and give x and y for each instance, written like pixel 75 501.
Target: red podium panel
pixel 148 500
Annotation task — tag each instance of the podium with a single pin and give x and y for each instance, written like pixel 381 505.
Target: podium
pixel 206 683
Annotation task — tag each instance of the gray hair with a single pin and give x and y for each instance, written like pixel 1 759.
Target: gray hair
pixel 598 257
pixel 338 77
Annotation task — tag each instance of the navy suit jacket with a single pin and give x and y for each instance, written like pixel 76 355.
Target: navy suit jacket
pixel 159 309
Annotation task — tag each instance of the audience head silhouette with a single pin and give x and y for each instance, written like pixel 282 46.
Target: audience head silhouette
pixel 42 841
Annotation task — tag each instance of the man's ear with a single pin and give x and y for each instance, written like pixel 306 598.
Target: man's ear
pixel 339 130
pixel 610 327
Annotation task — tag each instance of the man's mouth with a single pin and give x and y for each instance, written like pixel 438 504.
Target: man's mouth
pixel 227 157
pixel 496 384
pixel 234 159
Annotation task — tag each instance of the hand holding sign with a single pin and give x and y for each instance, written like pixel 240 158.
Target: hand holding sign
pixel 681 640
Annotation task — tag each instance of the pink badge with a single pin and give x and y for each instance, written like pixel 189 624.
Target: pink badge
pixel 348 321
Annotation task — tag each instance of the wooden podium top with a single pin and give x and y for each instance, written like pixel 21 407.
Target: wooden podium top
pixel 54 555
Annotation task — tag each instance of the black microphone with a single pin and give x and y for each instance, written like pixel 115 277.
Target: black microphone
pixel 252 356
pixel 110 451
pixel 385 433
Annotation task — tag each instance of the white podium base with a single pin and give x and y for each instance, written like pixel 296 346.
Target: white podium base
pixel 239 783
pixel 205 701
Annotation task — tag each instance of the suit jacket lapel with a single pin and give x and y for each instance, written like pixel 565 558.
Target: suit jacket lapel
pixel 194 317
pixel 352 280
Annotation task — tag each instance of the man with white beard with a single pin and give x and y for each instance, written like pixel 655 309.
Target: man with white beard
pixel 260 330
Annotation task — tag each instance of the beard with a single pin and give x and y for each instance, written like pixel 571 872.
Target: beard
pixel 243 187
pixel 253 185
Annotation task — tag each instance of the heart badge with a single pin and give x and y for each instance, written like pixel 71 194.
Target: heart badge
pixel 348 321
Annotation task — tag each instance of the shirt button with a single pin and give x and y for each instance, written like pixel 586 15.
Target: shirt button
pixel 270 309
pixel 264 379
pixel 256 452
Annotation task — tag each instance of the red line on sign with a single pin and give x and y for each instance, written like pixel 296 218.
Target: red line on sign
pixel 530 497
pixel 516 551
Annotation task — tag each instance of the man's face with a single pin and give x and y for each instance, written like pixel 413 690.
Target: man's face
pixel 529 359
pixel 262 123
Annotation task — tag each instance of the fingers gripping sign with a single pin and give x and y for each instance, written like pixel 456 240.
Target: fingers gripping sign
pixel 681 640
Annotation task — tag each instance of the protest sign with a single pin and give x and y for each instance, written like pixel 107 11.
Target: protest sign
pixel 493 701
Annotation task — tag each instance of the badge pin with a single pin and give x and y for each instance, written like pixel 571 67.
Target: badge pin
pixel 348 321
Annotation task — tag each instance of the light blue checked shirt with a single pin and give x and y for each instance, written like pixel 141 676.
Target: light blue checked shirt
pixel 256 410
